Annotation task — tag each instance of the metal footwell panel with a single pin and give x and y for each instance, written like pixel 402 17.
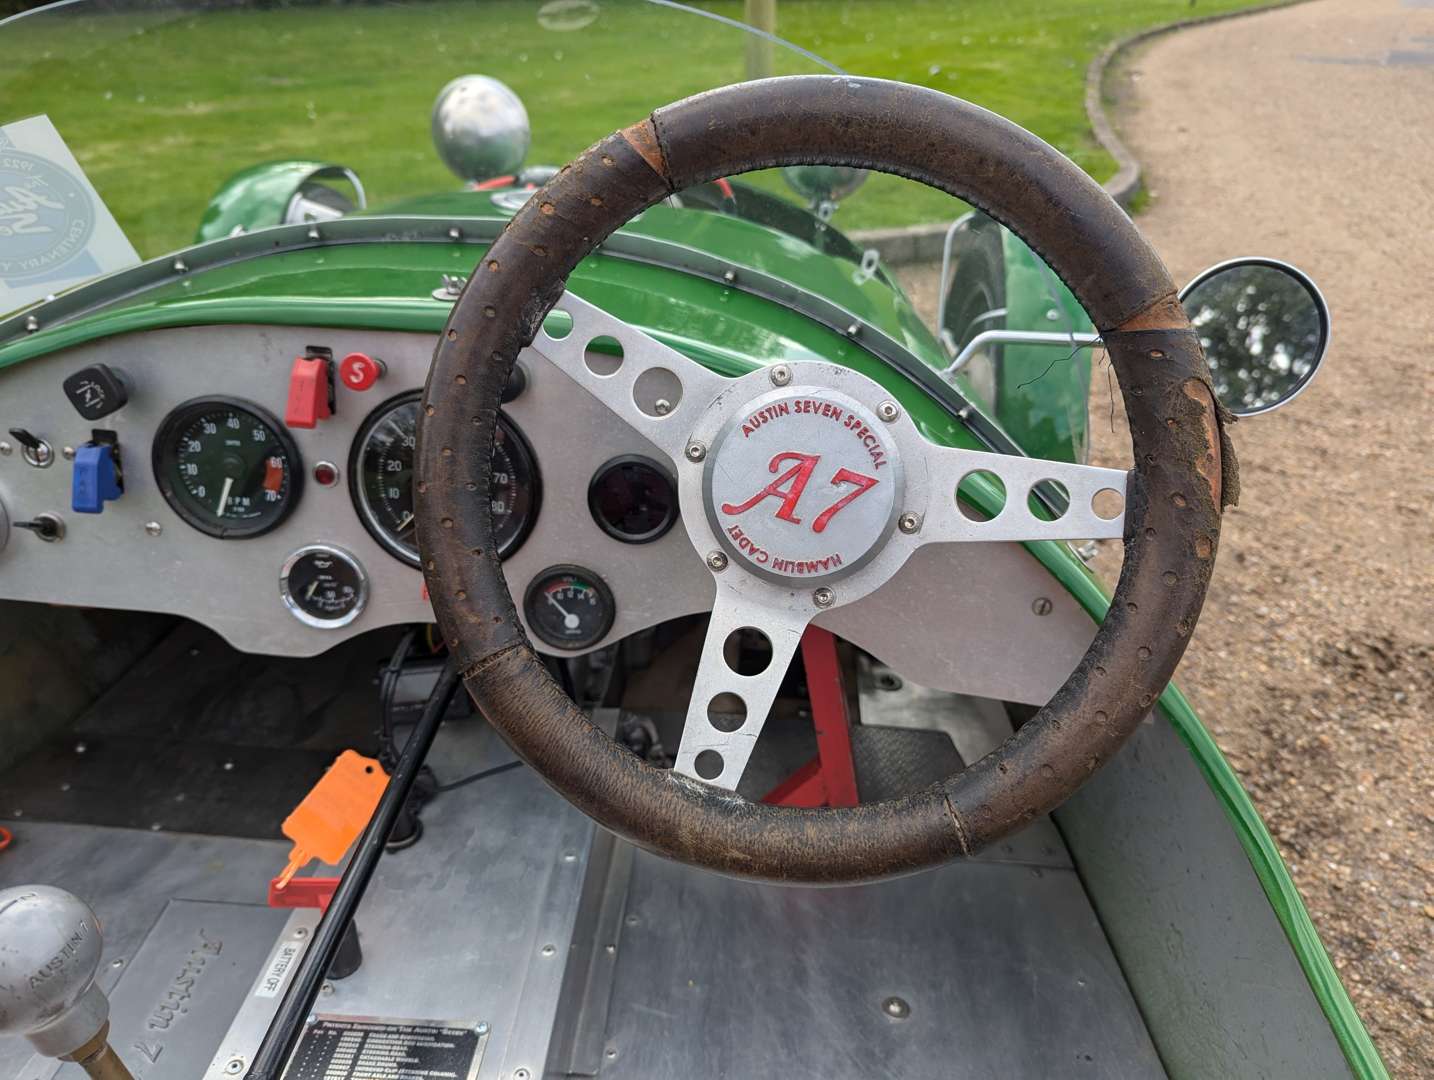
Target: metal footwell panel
pixel 130 878
pixel 982 969
pixel 567 954
pixel 175 999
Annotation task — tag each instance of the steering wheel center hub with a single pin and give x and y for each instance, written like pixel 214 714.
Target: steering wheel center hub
pixel 802 485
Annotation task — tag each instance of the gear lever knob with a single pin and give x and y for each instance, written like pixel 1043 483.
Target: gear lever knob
pixel 49 952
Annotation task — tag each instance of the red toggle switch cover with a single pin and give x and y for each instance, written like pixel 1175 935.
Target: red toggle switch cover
pixel 310 395
pixel 358 371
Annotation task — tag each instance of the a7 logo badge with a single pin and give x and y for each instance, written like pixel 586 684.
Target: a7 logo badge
pixel 789 486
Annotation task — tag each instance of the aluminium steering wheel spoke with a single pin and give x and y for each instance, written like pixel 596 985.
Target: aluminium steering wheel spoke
pixel 652 388
pixel 1086 517
pixel 728 709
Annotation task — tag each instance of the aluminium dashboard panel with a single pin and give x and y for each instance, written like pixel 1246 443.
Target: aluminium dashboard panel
pixel 951 619
pixel 111 560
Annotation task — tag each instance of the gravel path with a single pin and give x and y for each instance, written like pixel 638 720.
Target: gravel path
pixel 1308 134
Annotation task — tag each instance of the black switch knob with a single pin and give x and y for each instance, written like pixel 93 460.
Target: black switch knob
pixel 96 391
pixel 26 439
pixel 517 383
pixel 48 527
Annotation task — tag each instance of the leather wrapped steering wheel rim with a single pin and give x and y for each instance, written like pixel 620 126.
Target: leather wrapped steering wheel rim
pixel 1184 470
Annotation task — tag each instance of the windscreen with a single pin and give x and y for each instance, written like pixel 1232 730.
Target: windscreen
pixel 119 121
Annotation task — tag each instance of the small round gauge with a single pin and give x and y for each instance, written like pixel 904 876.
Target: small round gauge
pixel 227 467
pixel 381 470
pixel 569 607
pixel 323 586
pixel 633 499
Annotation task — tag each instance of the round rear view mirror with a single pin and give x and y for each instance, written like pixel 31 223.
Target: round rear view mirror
pixel 1264 327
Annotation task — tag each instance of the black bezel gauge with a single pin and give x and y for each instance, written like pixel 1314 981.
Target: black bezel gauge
pixel 227 467
pixel 569 607
pixel 381 471
pixel 323 587
pixel 633 499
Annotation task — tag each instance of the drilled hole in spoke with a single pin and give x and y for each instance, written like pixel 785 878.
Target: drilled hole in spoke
pixel 558 324
pixel 727 712
pixel 1051 488
pixel 657 391
pixel 981 495
pixel 747 651
pixel 603 355
pixel 1107 504
pixel 708 764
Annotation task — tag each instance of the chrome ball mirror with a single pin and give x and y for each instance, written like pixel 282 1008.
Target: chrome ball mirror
pixel 823 186
pixel 480 128
pixel 1264 327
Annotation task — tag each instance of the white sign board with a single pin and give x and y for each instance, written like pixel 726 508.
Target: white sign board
pixel 54 230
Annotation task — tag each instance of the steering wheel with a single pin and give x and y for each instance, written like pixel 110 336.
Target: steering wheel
pixel 806 486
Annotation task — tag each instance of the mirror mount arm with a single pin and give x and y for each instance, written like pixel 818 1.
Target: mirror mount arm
pixel 1018 337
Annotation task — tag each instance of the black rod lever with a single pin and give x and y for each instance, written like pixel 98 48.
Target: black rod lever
pixel 288 1023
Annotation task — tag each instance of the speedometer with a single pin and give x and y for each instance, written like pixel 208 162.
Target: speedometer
pixel 227 467
pixel 381 479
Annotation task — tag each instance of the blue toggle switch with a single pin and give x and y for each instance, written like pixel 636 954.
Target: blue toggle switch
pixel 96 479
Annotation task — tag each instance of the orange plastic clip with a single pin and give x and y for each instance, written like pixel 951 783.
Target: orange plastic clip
pixel 331 816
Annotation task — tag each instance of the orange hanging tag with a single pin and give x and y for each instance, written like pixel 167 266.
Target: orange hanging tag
pixel 333 814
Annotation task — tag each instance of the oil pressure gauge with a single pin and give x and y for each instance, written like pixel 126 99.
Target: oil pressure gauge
pixel 323 586
pixel 569 607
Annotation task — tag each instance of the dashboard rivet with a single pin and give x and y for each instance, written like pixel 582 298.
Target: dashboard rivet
pixel 234 1066
pixel 180 266
pixel 823 597
pixel 853 330
pixel 455 233
pixel 5 448
pixel 32 325
pixel 549 950
pixel 313 233
pixel 662 406
pixel 717 561
pixel 781 374
pixel 68 453
pixel 1041 606
pixel 896 1008
pixel 729 276
pixel 888 411
pixel 153 528
pixel 909 522
pixel 695 451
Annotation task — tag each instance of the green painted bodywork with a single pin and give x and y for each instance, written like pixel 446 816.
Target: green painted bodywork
pixel 388 286
pixel 257 197
pixel 1359 1051
pixel 1042 394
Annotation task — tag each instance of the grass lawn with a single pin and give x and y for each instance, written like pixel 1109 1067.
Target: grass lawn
pixel 161 107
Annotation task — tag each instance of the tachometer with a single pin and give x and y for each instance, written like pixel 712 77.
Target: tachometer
pixel 381 479
pixel 227 467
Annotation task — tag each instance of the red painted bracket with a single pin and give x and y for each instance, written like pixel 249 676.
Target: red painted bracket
pixel 829 779
pixel 314 892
